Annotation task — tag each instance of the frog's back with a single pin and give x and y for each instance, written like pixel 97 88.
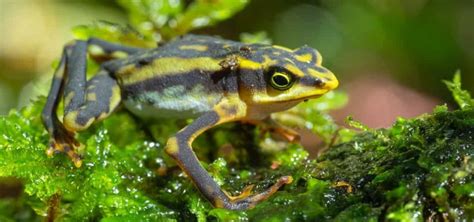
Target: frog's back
pixel 188 46
pixel 177 79
pixel 191 46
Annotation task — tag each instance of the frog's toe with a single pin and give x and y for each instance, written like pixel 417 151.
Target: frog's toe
pixel 246 192
pixel 289 135
pixel 64 142
pixel 247 201
pixel 284 133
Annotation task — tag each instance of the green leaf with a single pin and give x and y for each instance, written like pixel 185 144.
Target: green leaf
pixel 462 97
pixel 258 37
pixel 113 33
pixel 165 19
pixel 202 13
pixel 152 17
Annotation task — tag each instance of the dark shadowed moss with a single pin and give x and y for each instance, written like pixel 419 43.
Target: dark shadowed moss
pixel 416 169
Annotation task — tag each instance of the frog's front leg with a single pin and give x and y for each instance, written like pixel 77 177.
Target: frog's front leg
pixel 179 147
pixel 272 126
pixel 84 101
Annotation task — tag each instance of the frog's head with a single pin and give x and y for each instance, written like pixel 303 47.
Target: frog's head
pixel 277 75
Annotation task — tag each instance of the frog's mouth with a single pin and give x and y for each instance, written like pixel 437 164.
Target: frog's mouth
pixel 303 98
pixel 293 97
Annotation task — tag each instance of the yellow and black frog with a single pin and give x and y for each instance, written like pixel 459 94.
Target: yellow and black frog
pixel 207 78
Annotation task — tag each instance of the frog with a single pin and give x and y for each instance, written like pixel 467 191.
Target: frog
pixel 206 78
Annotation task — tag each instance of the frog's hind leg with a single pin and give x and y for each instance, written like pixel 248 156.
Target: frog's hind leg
pixel 179 148
pixel 102 96
pixel 60 139
pixel 84 101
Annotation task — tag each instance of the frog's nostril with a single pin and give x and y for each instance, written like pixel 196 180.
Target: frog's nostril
pixel 320 83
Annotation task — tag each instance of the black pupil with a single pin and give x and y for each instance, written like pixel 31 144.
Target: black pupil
pixel 280 80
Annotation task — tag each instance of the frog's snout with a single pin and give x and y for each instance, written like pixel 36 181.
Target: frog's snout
pixel 327 83
pixel 330 83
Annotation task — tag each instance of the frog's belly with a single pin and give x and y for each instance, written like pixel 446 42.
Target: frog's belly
pixel 173 102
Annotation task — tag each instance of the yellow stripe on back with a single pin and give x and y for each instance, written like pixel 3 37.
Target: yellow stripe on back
pixel 294 70
pixel 307 58
pixel 252 65
pixel 166 66
pixel 249 64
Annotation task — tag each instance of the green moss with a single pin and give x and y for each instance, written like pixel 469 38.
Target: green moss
pixel 410 170
pixel 418 168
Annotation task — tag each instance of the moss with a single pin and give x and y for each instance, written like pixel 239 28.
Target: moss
pixel 411 170
pixel 419 168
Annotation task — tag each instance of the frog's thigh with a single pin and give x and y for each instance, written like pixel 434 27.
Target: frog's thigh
pixel 101 98
pixel 179 148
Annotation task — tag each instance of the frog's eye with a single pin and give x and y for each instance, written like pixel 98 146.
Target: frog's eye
pixel 281 80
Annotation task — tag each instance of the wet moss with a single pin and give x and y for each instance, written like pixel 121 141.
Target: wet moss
pixel 419 168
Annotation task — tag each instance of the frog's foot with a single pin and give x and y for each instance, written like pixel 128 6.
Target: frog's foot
pixel 287 134
pixel 247 201
pixel 246 192
pixel 64 142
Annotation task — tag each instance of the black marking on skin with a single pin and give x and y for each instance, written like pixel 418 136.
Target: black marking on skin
pixel 252 80
pixel 321 69
pixel 311 81
pixel 103 90
pixel 49 117
pixel 188 80
pixel 231 83
pixel 144 62
pixel 75 76
pixel 218 76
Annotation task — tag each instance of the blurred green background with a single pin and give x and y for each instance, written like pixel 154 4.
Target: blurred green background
pixel 390 55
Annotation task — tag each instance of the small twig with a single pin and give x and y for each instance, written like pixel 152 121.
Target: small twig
pixel 53 205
